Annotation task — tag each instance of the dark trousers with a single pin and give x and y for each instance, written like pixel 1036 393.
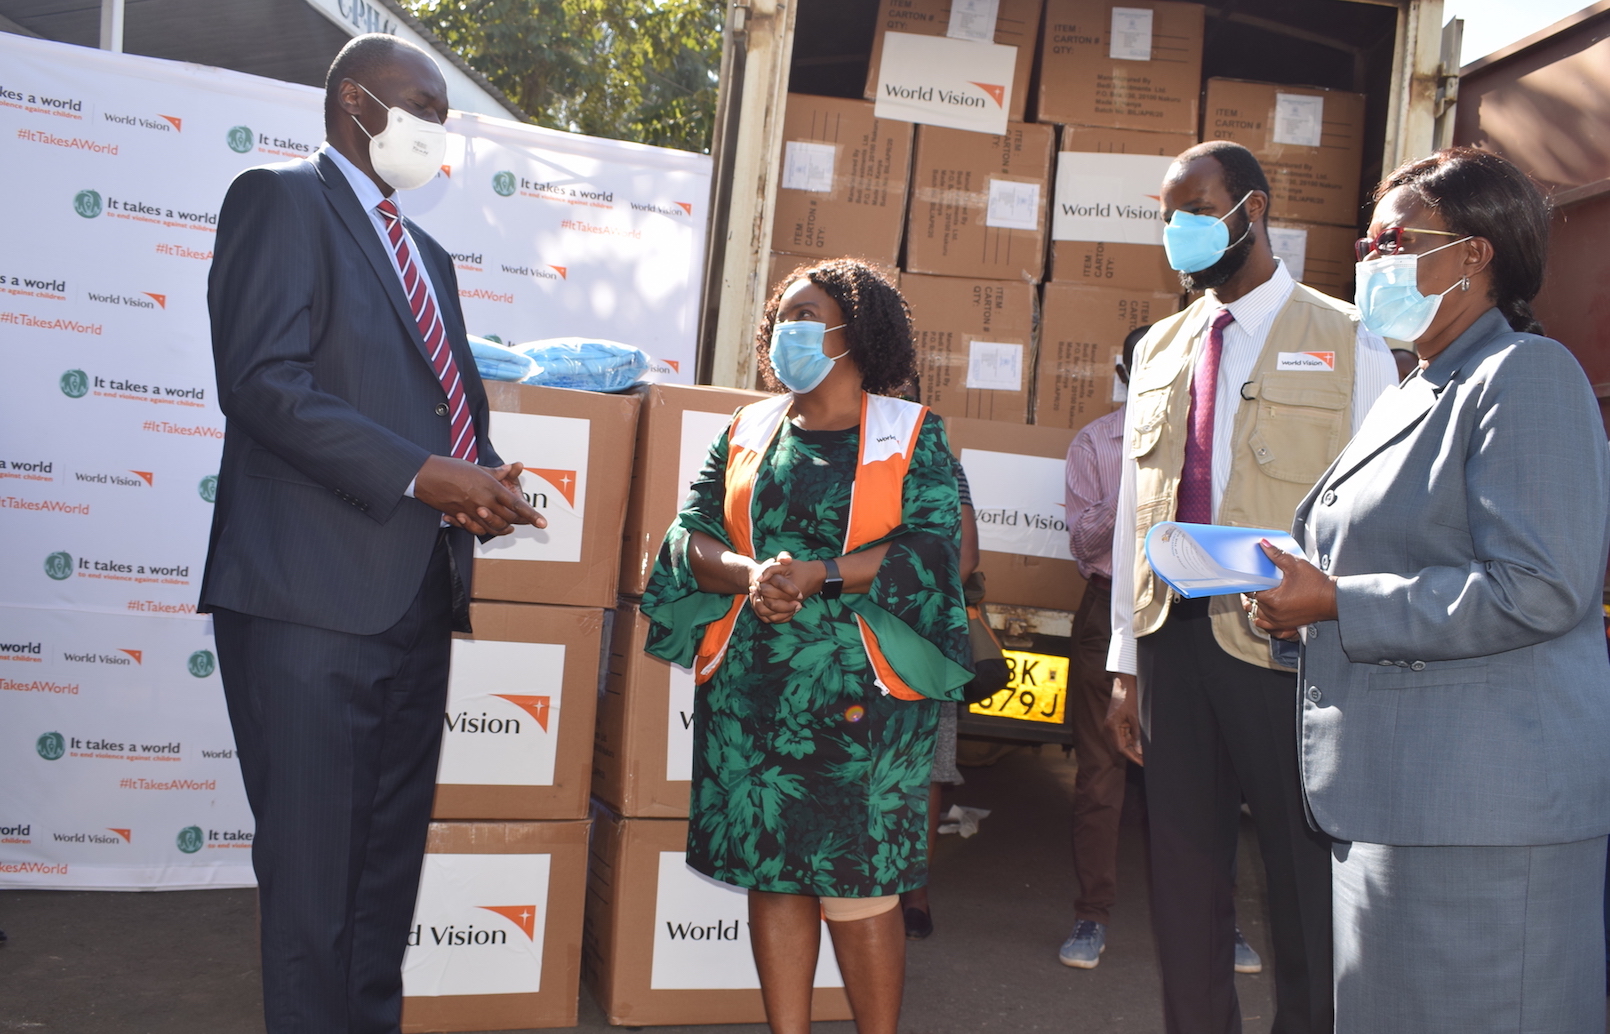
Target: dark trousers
pixel 1220 730
pixel 338 737
pixel 1098 788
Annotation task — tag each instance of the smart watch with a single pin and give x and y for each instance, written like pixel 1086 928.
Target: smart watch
pixel 833 584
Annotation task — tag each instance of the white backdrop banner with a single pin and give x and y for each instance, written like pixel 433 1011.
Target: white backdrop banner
pixel 110 432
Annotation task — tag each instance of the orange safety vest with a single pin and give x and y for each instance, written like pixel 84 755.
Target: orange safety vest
pixel 889 428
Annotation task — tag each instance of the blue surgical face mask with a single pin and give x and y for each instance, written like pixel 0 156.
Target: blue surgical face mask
pixel 1387 293
pixel 797 356
pixel 1194 242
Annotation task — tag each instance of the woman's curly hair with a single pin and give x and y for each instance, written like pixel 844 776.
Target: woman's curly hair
pixel 876 317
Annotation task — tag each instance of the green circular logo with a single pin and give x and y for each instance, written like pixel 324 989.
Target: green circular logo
pixel 190 839
pixel 202 663
pixel 51 746
pixel 240 139
pixel 75 384
pixel 208 488
pixel 503 183
pixel 59 566
pixel 87 203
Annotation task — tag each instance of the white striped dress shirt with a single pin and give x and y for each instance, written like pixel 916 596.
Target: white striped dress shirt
pixel 1090 486
pixel 1373 372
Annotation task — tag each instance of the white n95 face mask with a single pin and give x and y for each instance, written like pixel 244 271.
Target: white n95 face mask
pixel 408 153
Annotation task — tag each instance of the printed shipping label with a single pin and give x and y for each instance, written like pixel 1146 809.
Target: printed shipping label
pixel 1019 502
pixel 701 934
pixel 1316 361
pixel 554 451
pixel 939 81
pixel 973 20
pixel 994 366
pixel 1013 205
pixel 1109 197
pixel 478 925
pixel 679 726
pixel 808 166
pixel 1131 34
pixel 1291 246
pixel 502 722
pixel 1299 119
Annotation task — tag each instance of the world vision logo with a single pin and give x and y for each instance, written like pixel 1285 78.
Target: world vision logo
pixel 59 566
pixel 190 839
pixel 677 209
pixel 524 917
pixel 202 663
pixel 464 722
pixel 147 299
pixel 126 834
pixel 122 836
pixel 541 272
pixel 141 477
pixel 52 746
pixel 88 204
pixel 929 94
pixel 208 489
pixel 996 91
pixel 74 384
pixel 563 480
pixel 167 123
pixel 240 139
pixel 92 657
pixel 503 184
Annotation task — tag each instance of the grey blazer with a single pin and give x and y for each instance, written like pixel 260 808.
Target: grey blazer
pixel 1463 694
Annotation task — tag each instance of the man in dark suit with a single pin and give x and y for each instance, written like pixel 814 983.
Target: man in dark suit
pixel 356 467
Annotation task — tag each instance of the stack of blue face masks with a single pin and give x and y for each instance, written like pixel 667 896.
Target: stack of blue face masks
pixel 497 362
pixel 591 364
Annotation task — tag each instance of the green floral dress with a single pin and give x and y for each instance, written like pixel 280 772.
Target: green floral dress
pixel 807 777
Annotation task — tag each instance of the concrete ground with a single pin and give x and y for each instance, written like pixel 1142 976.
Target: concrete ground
pixel 185 962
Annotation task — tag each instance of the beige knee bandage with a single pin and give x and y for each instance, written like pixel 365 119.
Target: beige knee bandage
pixel 848 910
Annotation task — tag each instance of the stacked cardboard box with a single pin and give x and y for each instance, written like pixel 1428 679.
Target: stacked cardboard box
pixel 1017 24
pixel 497 929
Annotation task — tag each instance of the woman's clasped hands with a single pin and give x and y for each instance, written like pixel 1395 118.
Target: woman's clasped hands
pixel 777 588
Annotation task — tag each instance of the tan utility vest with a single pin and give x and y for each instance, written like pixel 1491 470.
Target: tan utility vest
pixel 1290 425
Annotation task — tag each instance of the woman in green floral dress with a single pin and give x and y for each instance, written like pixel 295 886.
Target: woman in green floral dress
pixel 810 780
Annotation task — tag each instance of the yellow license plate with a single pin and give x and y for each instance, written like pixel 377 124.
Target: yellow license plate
pixel 1036 692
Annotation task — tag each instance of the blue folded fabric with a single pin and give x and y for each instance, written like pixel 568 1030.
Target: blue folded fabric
pixel 592 364
pixel 499 362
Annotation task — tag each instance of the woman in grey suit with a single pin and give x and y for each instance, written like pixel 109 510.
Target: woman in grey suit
pixel 1455 726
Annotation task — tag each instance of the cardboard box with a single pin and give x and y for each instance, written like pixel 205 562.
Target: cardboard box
pixel 676 426
pixel 842 189
pixel 666 945
pixel 1018 477
pixel 643 742
pixel 780 265
pixel 979 203
pixel 1082 329
pixel 1124 64
pixel 1102 263
pixel 1310 141
pixel 1017 24
pixel 975 345
pixel 1320 256
pixel 496 940
pixel 521 701
pixel 577 449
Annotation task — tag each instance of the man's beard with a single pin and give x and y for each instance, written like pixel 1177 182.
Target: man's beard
pixel 1228 265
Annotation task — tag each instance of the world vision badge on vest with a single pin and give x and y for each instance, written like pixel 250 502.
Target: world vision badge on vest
pixel 888 439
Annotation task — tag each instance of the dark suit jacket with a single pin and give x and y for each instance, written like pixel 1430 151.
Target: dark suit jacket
pixel 331 406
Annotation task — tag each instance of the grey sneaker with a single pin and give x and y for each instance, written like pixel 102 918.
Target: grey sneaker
pixel 1246 960
pixel 1083 948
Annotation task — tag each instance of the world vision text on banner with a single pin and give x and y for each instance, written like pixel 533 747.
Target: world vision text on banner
pixel 939 81
pixel 111 431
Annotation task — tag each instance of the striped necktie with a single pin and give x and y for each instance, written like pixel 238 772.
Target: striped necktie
pixel 1196 477
pixel 434 332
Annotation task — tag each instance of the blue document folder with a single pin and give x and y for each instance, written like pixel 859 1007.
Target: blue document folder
pixel 1215 559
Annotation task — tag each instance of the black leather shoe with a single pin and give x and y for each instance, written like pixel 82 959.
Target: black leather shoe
pixel 919 924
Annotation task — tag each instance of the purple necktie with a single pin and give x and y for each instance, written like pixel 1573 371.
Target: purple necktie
pixel 1196 479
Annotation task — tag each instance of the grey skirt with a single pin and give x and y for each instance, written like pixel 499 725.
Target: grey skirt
pixel 1469 940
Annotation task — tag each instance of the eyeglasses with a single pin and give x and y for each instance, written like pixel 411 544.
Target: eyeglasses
pixel 1390 241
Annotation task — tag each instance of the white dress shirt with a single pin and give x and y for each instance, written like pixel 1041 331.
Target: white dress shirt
pixel 369 196
pixel 1373 372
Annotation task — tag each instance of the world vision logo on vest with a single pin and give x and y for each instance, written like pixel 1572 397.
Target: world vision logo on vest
pixel 522 917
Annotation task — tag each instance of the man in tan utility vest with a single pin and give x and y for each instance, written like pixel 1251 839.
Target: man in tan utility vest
pixel 1236 406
